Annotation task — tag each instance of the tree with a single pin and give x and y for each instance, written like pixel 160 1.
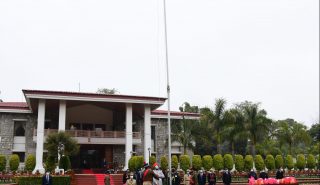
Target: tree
pixel 139 162
pixel 207 162
pixel 65 163
pixel 311 161
pixel 107 91
pixel 3 162
pixel 270 163
pixel 228 161
pixel 184 162
pixel 248 162
pixel 239 163
pixel 196 162
pixel 14 162
pixel 132 163
pixel 259 163
pixel 289 162
pixel 152 160
pixel 218 162
pixel 164 163
pixel 279 161
pixel 174 162
pixel 30 162
pixel 301 162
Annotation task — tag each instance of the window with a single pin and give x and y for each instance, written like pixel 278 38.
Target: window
pixel 21 155
pixel 19 128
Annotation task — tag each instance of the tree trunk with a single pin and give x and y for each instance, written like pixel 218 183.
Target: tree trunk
pixel 218 144
pixel 232 148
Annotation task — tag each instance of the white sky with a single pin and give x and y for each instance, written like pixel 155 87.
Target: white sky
pixel 259 50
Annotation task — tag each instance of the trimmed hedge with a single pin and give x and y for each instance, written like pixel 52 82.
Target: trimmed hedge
pixel 311 161
pixel 289 162
pixel 218 162
pixel 139 162
pixel 132 163
pixel 228 161
pixel 174 162
pixel 259 163
pixel 207 162
pixel 65 163
pixel 14 162
pixel 164 163
pixel 196 162
pixel 239 163
pixel 3 162
pixel 301 162
pixel 269 161
pixel 30 162
pixel 184 162
pixel 152 160
pixel 37 180
pixel 248 162
pixel 279 162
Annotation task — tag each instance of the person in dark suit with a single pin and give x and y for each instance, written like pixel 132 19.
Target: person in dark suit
pixel 279 174
pixel 263 175
pixel 252 174
pixel 226 177
pixel 202 178
pixel 47 179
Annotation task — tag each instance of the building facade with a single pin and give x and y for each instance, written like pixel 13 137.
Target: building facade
pixel 111 127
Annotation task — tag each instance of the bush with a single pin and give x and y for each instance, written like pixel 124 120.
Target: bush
pixel 132 163
pixel 279 162
pixel 207 162
pixel 248 162
pixel 259 163
pixel 301 162
pixel 269 161
pixel 50 163
pixel 164 163
pixel 14 162
pixel 228 161
pixel 217 162
pixel 30 162
pixel 139 162
pixel 289 162
pixel 196 162
pixel 152 160
pixel 239 163
pixel 311 161
pixel 65 163
pixel 174 162
pixel 3 162
pixel 37 180
pixel 184 162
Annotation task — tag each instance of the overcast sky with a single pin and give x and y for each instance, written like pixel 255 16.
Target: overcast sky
pixel 259 50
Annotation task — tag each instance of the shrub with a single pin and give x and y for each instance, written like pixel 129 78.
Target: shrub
pixel 139 162
pixel 269 161
pixel 65 163
pixel 196 162
pixel 217 162
pixel 164 163
pixel 239 163
pixel 228 161
pixel 278 161
pixel 174 162
pixel 301 162
pixel 14 162
pixel 259 163
pixel 184 162
pixel 50 163
pixel 132 163
pixel 152 160
pixel 37 180
pixel 30 162
pixel 248 162
pixel 289 162
pixel 207 162
pixel 311 161
pixel 3 162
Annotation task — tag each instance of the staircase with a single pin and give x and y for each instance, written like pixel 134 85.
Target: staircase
pixel 85 179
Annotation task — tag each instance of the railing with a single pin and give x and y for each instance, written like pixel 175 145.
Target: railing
pixel 92 134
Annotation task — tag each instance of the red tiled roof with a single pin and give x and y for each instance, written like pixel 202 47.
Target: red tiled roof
pixel 91 95
pixel 14 105
pixel 175 113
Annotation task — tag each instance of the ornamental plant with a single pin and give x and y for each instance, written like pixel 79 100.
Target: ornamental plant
pixel 65 163
pixel 248 162
pixel 311 161
pixel 196 162
pixel 218 162
pixel 228 161
pixel 152 160
pixel 184 162
pixel 174 162
pixel 132 163
pixel 301 162
pixel 278 161
pixel 269 161
pixel 259 163
pixel 50 163
pixel 164 163
pixel 289 162
pixel 14 162
pixel 139 162
pixel 3 162
pixel 207 162
pixel 239 163
pixel 30 162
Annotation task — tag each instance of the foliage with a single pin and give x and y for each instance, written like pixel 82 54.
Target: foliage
pixel 152 160
pixel 270 163
pixel 279 161
pixel 259 163
pixel 218 162
pixel 14 162
pixel 174 162
pixel 207 162
pixel 239 163
pixel 107 91
pixel 132 163
pixel 3 162
pixel 228 161
pixel 301 162
pixel 248 162
pixel 139 162
pixel 184 162
pixel 65 163
pixel 50 163
pixel 311 161
pixel 289 162
pixel 164 163
pixel 37 180
pixel 196 162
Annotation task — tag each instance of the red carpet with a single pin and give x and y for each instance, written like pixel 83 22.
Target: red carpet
pixel 100 179
pixel 87 171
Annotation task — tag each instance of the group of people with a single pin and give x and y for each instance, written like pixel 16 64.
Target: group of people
pixel 264 175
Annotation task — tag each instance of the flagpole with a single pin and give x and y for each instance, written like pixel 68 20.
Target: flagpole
pixel 168 89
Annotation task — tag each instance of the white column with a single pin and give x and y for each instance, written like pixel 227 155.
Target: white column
pixel 40 136
pixel 147 132
pixel 128 146
pixel 62 115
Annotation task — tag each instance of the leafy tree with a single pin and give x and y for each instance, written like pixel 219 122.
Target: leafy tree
pixel 132 163
pixel 301 162
pixel 164 163
pixel 196 162
pixel 184 162
pixel 239 163
pixel 14 162
pixel 228 161
pixel 259 163
pixel 311 161
pixel 152 160
pixel 174 162
pixel 139 162
pixel 107 91
pixel 279 161
pixel 270 163
pixel 218 163
pixel 289 162
pixel 248 162
pixel 65 163
pixel 314 132
pixel 207 162
pixel 30 162
pixel 182 132
pixel 50 163
pixel 3 162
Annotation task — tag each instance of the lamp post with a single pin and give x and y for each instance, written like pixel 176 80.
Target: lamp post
pixel 149 149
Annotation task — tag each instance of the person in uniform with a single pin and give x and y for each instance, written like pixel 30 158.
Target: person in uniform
pixel 175 177
pixel 212 178
pixel 279 174
pixel 202 178
pixel 148 175
pixel 131 180
pixel 226 177
pixel 252 174
pixel 263 175
pixel 158 172
pixel 186 178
